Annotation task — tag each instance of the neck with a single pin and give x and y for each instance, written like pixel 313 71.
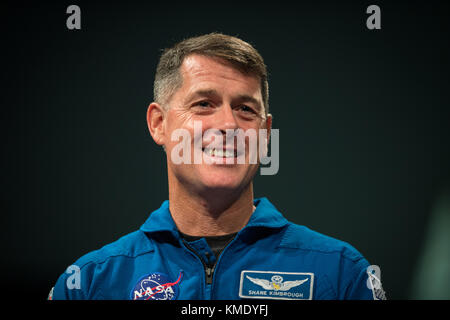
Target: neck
pixel 210 213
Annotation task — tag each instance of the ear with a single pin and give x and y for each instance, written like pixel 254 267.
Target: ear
pixel 155 122
pixel 268 126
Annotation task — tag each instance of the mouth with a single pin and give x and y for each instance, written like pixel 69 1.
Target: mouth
pixel 221 153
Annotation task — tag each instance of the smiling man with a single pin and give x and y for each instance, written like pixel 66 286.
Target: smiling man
pixel 212 239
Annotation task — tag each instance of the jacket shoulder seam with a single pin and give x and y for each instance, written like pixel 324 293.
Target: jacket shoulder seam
pixel 99 256
pixel 290 231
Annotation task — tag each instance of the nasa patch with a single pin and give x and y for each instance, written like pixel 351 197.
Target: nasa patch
pixel 156 286
pixel 276 285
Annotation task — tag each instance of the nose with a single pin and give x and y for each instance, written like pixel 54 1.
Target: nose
pixel 226 119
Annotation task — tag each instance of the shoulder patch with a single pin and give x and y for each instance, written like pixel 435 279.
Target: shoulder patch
pixel 374 282
pixel 50 295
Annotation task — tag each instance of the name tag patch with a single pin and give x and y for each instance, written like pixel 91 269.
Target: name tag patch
pixel 276 285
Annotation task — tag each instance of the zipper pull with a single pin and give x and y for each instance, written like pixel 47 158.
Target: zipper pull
pixel 209 275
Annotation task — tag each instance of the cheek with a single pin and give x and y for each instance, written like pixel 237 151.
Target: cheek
pixel 177 124
pixel 177 118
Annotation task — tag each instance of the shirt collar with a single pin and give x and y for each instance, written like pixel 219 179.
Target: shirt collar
pixel 265 215
pixel 160 220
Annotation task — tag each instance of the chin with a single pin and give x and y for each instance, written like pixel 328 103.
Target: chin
pixel 221 178
pixel 217 182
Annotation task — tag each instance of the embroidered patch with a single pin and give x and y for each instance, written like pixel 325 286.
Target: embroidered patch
pixel 374 282
pixel 156 286
pixel 50 295
pixel 276 285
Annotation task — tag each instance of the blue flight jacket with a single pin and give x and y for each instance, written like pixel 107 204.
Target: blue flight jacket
pixel 270 258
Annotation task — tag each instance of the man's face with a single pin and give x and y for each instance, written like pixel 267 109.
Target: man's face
pixel 222 98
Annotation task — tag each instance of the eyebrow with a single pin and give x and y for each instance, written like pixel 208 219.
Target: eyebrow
pixel 202 93
pixel 247 98
pixel 212 93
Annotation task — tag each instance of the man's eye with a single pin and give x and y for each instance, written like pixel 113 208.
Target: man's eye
pixel 246 109
pixel 203 104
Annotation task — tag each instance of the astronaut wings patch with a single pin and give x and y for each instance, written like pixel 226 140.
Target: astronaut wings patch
pixel 276 285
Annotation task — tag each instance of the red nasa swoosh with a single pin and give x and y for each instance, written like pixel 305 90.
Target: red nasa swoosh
pixel 165 285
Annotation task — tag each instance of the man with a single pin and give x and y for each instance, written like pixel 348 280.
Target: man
pixel 212 239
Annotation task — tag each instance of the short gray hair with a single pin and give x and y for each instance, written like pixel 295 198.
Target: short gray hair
pixel 235 51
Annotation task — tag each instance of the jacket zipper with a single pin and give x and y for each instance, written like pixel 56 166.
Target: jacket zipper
pixel 209 271
pixel 218 258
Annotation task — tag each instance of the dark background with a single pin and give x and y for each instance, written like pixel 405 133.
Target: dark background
pixel 363 118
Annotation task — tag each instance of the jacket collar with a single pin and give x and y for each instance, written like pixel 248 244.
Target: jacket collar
pixel 265 215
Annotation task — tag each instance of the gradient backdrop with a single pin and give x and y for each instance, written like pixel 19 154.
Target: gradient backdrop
pixel 363 118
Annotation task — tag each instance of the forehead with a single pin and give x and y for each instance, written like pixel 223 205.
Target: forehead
pixel 198 70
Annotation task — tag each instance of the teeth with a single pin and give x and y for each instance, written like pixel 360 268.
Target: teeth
pixel 219 153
